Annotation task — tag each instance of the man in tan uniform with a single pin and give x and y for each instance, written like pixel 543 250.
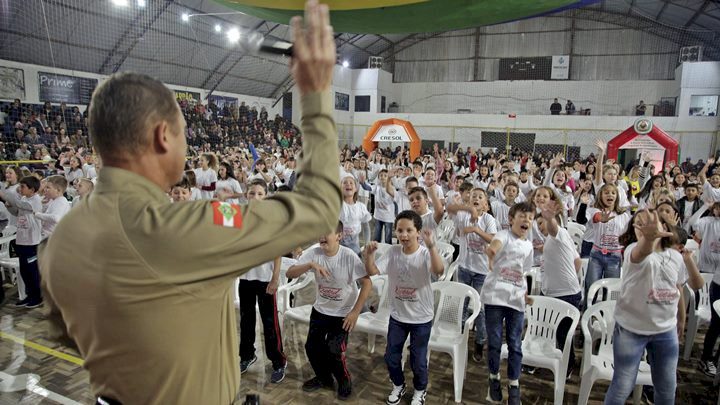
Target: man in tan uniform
pixel 145 287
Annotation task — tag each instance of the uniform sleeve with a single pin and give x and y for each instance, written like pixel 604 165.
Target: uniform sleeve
pixel 366 217
pixel 589 213
pixel 196 241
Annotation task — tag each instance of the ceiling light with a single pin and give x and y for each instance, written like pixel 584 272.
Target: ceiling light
pixel 345 64
pixel 233 35
pixel 218 28
pixel 120 3
pixel 185 17
pixel 141 3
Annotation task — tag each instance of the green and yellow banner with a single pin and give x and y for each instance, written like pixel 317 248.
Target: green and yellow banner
pixel 408 16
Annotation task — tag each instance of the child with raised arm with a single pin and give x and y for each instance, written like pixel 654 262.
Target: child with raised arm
pixel 56 207
pixel 504 295
pixel 477 228
pixel 354 215
pixel 608 221
pixel 419 204
pixel 384 207
pixel 646 311
pixel 560 268
pixel 409 267
pixel 259 287
pixel 338 303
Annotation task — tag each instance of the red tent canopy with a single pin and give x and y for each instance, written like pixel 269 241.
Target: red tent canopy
pixel 644 135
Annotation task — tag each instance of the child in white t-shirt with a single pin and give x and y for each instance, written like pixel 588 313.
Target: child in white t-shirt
pixel 560 268
pixel 419 204
pixel 28 236
pixel 510 254
pixel 206 175
pixel 259 286
pixel 384 207
pixel 477 228
pixel 646 311
pixel 402 196
pixel 409 267
pixel 354 215
pixel 608 221
pixel 501 208
pixel 337 269
pixel 461 197
pixel 84 188
pixel 711 185
pixel 707 232
pixel 57 205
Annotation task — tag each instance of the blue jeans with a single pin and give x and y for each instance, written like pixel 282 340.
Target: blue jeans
pixel 494 316
pixel 379 225
pixel 476 281
pixel 602 266
pixel 628 348
pixel 419 338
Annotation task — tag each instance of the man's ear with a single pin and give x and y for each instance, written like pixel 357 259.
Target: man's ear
pixel 161 136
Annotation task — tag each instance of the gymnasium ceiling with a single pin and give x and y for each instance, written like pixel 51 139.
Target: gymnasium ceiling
pixel 100 37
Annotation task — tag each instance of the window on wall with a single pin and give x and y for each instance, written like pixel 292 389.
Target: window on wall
pixel 342 101
pixel 703 106
pixel 362 103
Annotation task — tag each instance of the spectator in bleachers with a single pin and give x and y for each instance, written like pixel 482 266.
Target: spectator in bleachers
pixel 640 108
pixel 23 153
pixel 32 137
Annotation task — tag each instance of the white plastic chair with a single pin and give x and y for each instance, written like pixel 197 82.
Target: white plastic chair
pixel 539 342
pixel 9 230
pixel 699 316
pixel 450 272
pixel 607 289
pixel 445 230
pixel 582 274
pixel 577 236
pixel 11 264
pixel 375 323
pixel 535 283
pixel 446 250
pixel 285 311
pixel 449 335
pixel 574 226
pixel 599 365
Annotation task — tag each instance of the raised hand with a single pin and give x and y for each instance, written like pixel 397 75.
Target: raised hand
pixel 550 210
pixel 370 248
pixel 314 56
pixel 600 144
pixel 606 216
pixel 585 198
pixel 428 238
pixel 650 227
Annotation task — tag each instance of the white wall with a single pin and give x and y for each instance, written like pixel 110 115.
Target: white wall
pixel 32 93
pixel 605 97
pixel 697 78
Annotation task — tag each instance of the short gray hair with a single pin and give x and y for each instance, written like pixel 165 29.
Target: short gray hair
pixel 121 109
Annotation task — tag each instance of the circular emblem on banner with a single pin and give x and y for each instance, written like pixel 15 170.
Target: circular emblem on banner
pixel 392 131
pixel 643 126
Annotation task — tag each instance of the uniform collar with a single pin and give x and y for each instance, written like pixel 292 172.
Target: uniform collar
pixel 113 180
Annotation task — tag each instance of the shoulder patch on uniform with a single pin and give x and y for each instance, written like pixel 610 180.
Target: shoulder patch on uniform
pixel 226 214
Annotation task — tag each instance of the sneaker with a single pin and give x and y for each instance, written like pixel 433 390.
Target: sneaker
pixel 315 384
pixel 21 303
pixel 344 390
pixel 648 394
pixel 494 391
pixel 418 397
pixel 707 367
pixel 478 353
pixel 396 395
pixel 33 304
pixel 278 375
pixel 529 369
pixel 244 364
pixel 513 395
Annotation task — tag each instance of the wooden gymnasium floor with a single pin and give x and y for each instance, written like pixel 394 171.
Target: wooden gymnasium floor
pixel 23 350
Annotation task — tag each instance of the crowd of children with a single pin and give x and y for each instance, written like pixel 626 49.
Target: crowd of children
pixel 509 214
